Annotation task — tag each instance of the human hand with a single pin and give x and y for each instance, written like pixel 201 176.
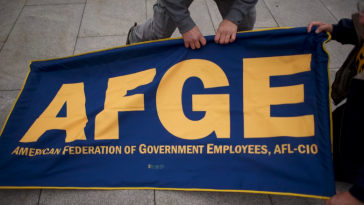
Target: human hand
pixel 344 198
pixel 321 27
pixel 226 32
pixel 194 38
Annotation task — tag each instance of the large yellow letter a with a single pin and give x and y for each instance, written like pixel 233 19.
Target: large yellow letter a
pixel 74 123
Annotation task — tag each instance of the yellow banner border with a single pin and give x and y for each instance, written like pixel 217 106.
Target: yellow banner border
pixel 172 189
pixel 329 77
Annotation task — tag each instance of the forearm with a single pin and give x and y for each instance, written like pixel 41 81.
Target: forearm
pixel 179 13
pixel 344 32
pixel 239 9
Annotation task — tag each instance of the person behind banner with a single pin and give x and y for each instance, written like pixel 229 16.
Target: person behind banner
pixel 238 15
pixel 348 119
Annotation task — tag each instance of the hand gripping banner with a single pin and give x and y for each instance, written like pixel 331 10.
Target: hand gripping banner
pixel 250 116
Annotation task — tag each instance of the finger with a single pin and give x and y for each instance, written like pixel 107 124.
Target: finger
pixel 222 38
pixel 227 39
pixel 232 39
pixel 322 28
pixel 192 45
pixel 203 41
pixel 197 44
pixel 217 37
pixel 187 44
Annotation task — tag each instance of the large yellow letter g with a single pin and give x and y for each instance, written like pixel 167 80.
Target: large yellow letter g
pixel 169 101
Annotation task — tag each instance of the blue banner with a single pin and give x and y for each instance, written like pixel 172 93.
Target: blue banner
pixel 251 116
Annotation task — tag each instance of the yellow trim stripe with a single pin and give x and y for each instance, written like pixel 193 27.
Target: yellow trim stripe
pixel 265 29
pixel 173 189
pixel 153 188
pixel 328 73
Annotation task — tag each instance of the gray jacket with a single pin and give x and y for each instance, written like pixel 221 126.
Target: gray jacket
pixel 179 13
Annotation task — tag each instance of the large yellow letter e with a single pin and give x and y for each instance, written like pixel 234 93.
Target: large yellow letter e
pixel 259 96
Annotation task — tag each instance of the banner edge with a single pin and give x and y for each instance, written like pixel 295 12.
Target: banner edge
pixel 329 77
pixel 170 189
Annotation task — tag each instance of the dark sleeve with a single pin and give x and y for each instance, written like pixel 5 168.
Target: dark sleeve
pixel 239 9
pixel 344 32
pixel 358 188
pixel 179 13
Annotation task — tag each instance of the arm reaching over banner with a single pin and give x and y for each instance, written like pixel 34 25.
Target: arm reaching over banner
pixel 226 32
pixel 343 32
pixel 321 27
pixel 238 15
pixel 194 38
pixel 179 14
